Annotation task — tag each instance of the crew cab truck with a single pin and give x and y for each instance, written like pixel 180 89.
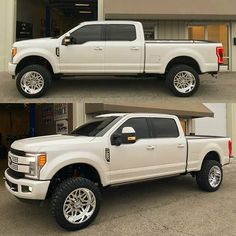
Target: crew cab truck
pixel 112 48
pixel 112 149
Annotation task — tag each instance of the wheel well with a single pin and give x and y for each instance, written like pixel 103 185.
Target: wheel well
pixel 34 60
pixel 214 156
pixel 183 60
pixel 74 170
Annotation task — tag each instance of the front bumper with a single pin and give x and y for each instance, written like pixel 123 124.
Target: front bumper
pixel 12 69
pixel 18 187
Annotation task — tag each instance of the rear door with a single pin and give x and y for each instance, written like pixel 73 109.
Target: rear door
pixel 171 146
pixel 124 50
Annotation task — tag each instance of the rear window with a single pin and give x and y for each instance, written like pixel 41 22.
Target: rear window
pixel 121 32
pixel 164 128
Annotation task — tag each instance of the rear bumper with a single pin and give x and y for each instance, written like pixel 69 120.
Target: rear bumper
pixel 12 68
pixel 26 188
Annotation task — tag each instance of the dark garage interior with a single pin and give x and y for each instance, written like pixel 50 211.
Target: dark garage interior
pixel 51 18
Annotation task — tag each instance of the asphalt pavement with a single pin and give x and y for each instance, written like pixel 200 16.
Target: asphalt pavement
pixel 121 89
pixel 173 206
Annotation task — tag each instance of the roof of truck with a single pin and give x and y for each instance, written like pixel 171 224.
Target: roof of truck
pixel 134 114
pixel 111 22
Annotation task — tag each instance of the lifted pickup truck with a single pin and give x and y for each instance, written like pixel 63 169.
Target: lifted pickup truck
pixel 112 48
pixel 112 149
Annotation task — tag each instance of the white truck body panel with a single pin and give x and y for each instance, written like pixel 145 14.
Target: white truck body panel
pixel 116 57
pixel 145 159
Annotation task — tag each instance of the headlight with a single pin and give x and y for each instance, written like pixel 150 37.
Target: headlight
pixel 37 162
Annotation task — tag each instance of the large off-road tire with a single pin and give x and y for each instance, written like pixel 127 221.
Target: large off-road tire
pixel 75 203
pixel 210 177
pixel 183 80
pixel 33 81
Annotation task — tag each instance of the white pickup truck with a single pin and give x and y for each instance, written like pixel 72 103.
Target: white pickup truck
pixel 112 149
pixel 112 48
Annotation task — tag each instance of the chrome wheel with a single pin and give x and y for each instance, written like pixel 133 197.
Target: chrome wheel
pixel 184 82
pixel 215 176
pixel 32 82
pixel 79 205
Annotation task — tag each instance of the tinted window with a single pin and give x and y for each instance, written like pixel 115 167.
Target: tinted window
pixel 139 125
pixel 87 33
pixel 164 128
pixel 121 33
pixel 93 128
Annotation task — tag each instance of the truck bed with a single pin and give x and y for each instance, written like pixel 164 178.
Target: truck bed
pixel 179 41
pixel 192 137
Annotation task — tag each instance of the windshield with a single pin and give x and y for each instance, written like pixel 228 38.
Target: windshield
pixel 97 127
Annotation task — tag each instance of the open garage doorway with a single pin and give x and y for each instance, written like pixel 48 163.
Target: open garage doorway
pixel 19 121
pixel 51 18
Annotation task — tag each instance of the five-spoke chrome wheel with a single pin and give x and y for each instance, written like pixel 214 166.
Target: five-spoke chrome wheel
pixel 214 176
pixel 32 82
pixel 79 206
pixel 184 82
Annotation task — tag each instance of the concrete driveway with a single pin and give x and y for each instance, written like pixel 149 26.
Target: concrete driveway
pixel 121 89
pixel 171 206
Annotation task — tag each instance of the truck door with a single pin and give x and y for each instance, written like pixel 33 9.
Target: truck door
pixel 85 54
pixel 124 50
pixel 132 161
pixel 171 146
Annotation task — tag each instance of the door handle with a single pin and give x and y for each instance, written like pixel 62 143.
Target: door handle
pixel 181 146
pixel 98 48
pixel 150 148
pixel 134 48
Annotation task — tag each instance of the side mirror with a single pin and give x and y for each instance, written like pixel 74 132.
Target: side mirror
pixel 67 40
pixel 128 135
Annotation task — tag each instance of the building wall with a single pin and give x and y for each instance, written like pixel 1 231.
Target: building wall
pixel 171 30
pixel 7 28
pixel 233 51
pixel 79 116
pixel 213 126
pixel 231 124
pixel 182 9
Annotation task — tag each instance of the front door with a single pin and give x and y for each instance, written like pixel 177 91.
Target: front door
pixel 86 52
pixel 131 162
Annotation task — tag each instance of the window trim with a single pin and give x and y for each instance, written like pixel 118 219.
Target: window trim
pixel 103 33
pixel 152 128
pixel 108 33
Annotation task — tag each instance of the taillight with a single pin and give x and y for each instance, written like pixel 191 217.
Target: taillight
pixel 220 54
pixel 230 148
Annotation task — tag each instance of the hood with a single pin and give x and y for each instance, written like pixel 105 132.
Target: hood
pixel 34 41
pixel 44 143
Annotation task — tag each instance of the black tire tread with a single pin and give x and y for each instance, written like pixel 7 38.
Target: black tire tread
pixel 202 176
pixel 171 74
pixel 61 192
pixel 40 69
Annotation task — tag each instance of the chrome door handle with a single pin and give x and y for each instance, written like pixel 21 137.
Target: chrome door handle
pixel 98 48
pixel 150 148
pixel 135 49
pixel 181 146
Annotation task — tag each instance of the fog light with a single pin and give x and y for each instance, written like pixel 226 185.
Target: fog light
pixel 26 189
